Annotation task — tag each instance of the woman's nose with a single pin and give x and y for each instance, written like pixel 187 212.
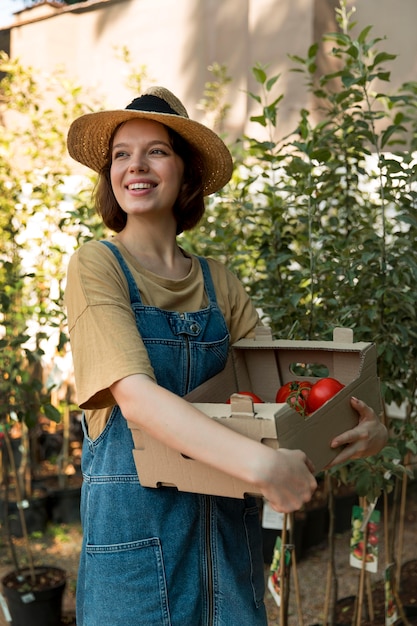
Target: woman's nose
pixel 139 162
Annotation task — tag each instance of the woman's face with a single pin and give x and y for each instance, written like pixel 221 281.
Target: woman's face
pixel 146 174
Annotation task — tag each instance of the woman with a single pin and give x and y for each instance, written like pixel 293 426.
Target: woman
pixel 149 323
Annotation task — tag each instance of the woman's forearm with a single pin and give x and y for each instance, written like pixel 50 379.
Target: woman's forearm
pixel 285 478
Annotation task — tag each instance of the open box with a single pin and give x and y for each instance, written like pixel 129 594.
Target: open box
pixel 262 365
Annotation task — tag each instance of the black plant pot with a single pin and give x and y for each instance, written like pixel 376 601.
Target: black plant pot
pixel 64 505
pixel 343 505
pixel 316 527
pixel 35 606
pixel 410 610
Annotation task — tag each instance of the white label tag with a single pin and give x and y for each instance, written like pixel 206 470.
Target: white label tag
pixel 27 598
pixel 5 608
pixel 272 519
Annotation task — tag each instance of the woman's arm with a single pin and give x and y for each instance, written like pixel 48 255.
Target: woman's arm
pixel 284 477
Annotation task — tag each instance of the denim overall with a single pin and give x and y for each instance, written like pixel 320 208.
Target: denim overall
pixel 159 557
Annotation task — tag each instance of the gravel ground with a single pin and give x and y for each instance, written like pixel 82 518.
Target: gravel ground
pixel 61 546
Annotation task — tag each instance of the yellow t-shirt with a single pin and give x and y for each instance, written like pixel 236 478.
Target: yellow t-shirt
pixel 105 343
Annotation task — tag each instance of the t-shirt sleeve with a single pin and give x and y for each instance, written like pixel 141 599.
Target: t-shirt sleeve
pixel 105 343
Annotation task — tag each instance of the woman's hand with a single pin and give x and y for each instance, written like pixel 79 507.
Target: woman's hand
pixel 366 439
pixel 289 480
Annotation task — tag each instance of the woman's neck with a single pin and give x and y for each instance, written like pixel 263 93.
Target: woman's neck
pixel 156 252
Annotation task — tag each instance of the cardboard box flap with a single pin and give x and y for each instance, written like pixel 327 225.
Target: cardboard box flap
pixel 345 366
pixel 242 406
pixel 302 344
pixel 263 333
pixel 343 334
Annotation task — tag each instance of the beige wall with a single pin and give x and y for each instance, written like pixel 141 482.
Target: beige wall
pixel 178 39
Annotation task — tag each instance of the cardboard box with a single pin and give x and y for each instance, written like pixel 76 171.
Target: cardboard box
pixel 262 365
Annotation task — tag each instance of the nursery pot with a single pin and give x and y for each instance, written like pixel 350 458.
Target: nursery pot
pixel 36 605
pixel 316 527
pixel 64 505
pixel 344 501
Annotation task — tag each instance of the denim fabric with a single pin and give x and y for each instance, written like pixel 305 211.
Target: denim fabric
pixel 159 557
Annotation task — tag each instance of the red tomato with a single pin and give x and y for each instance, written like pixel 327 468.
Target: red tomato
pixel 302 386
pixel 321 391
pixel 373 540
pixel 254 397
pixel 294 393
pixel 297 401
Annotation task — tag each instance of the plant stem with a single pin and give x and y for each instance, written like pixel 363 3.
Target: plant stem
pixel 20 509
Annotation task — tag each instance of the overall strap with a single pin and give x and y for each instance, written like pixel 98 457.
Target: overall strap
pixel 208 281
pixel 133 289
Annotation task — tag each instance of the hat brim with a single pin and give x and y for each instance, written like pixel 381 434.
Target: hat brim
pixel 89 142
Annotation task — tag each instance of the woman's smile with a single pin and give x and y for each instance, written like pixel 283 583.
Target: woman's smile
pixel 140 186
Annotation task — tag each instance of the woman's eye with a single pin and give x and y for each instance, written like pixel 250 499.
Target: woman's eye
pixel 119 154
pixel 158 151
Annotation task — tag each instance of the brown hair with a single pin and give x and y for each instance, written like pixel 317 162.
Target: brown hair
pixel 189 206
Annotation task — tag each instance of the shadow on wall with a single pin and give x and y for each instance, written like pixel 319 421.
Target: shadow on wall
pixel 246 41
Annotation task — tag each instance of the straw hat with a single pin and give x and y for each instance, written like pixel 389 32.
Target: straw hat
pixel 89 136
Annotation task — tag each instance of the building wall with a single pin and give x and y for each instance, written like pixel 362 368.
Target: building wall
pixel 178 39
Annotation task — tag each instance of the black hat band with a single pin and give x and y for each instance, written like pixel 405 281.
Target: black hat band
pixel 152 104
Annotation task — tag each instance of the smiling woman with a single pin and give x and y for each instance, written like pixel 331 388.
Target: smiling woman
pixel 148 324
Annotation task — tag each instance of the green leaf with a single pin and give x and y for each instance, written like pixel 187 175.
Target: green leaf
pixel 255 97
pixel 364 34
pixel 259 74
pixel 312 51
pixel 260 119
pixel 271 82
pixel 52 413
pixel 383 56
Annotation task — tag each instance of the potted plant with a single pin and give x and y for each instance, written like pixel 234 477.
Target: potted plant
pixel 30 590
pixel 33 593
